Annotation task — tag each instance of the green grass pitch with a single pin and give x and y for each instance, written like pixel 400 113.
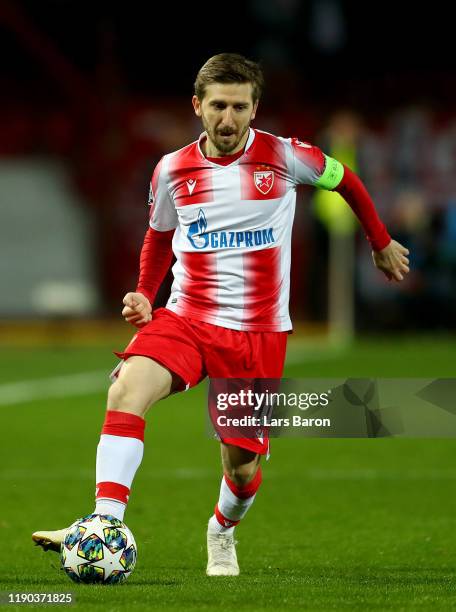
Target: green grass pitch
pixel 337 525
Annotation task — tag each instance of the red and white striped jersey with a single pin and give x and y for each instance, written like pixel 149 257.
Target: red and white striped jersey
pixel 233 227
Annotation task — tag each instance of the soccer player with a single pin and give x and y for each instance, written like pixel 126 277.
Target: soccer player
pixel 224 205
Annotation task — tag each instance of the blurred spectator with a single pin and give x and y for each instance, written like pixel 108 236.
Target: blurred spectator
pixel 427 297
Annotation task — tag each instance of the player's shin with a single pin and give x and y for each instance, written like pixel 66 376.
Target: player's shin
pixel 119 455
pixel 233 504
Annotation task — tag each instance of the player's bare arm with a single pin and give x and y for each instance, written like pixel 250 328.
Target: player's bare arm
pixel 392 261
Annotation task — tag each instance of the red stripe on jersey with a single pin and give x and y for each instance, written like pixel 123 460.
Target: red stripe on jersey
pixel 190 177
pixel 124 424
pixel 112 490
pixel 264 178
pixel 200 285
pixel 262 287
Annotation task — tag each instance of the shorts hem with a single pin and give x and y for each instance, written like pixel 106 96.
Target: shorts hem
pixel 186 384
pixel 246 444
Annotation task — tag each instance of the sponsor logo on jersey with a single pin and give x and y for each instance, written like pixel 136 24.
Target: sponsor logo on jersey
pixel 197 231
pixel 264 180
pixel 191 184
pixel 200 238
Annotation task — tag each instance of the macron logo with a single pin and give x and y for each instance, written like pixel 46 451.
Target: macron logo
pixel 191 185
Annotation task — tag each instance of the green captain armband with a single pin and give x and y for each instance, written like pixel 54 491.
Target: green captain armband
pixel 332 175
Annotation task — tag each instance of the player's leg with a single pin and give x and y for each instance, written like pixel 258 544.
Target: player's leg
pixel 248 356
pixel 240 482
pixel 141 383
pixel 165 345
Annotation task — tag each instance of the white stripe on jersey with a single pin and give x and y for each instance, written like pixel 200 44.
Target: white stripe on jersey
pixel 230 290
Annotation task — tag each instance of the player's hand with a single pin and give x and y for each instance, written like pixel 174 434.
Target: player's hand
pixel 392 261
pixel 137 309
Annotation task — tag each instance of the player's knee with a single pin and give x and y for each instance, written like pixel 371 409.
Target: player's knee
pixel 241 475
pixel 122 397
pixel 117 395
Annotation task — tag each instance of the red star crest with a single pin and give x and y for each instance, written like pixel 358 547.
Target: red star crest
pixel 264 180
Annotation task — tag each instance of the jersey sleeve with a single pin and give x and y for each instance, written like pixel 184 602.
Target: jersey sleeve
pixel 154 262
pixel 310 166
pixel 163 215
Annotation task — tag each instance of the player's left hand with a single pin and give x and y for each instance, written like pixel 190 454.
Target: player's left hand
pixel 392 261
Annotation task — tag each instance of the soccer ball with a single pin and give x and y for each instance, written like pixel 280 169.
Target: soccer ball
pixel 98 549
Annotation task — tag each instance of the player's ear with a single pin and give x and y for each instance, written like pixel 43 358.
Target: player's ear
pixel 255 106
pixel 196 106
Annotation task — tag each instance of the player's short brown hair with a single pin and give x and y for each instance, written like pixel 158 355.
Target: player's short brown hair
pixel 230 68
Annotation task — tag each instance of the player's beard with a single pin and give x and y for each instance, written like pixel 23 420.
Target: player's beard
pixel 216 137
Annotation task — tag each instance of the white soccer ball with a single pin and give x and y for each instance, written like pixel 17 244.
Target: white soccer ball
pixel 98 549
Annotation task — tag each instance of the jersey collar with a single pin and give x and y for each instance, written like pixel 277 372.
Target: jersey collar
pixel 248 144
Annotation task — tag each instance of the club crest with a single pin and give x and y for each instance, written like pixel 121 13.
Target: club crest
pixel 264 181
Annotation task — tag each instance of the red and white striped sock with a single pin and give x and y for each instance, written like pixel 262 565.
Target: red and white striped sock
pixel 233 503
pixel 119 455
